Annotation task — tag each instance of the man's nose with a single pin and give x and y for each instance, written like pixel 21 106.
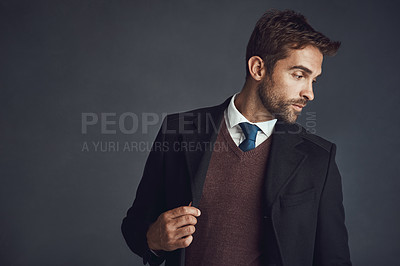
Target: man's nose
pixel 307 92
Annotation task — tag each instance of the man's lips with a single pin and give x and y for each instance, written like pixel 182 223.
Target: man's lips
pixel 298 107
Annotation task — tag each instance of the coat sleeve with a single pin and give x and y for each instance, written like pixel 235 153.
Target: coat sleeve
pixel 149 202
pixel 331 246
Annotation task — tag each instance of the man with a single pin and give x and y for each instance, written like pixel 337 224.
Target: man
pixel 271 193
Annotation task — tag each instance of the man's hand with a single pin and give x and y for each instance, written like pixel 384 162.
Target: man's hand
pixel 173 229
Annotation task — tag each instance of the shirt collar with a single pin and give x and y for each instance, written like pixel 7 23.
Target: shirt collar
pixel 235 117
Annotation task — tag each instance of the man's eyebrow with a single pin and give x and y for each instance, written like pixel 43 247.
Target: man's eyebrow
pixel 305 69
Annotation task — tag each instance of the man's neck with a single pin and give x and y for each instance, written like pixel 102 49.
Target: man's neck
pixel 248 103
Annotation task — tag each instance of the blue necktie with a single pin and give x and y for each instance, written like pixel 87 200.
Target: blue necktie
pixel 250 131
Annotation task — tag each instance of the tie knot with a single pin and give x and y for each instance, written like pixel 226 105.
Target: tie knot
pixel 249 130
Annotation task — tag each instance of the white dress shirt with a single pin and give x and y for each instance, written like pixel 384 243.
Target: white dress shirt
pixel 233 117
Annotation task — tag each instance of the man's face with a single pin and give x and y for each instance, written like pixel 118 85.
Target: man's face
pixel 290 87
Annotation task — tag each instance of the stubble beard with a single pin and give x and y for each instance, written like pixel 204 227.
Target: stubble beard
pixel 274 102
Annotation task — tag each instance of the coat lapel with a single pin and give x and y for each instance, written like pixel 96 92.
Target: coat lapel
pixel 206 126
pixel 284 159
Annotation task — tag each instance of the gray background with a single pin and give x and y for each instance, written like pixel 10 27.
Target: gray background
pixel 60 205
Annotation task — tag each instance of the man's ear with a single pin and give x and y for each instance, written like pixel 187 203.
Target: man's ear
pixel 256 67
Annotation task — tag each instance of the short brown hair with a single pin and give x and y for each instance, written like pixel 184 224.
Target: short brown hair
pixel 278 31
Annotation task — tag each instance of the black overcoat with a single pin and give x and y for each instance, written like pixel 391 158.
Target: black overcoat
pixel 303 214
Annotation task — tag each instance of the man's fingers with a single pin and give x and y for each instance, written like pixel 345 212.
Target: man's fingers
pixel 184 210
pixel 184 242
pixel 184 220
pixel 173 229
pixel 185 231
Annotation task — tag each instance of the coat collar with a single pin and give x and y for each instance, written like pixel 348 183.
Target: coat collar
pixel 284 159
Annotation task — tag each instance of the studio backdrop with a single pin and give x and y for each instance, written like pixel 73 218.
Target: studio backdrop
pixel 84 86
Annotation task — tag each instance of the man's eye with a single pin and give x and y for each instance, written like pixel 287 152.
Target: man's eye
pixel 298 76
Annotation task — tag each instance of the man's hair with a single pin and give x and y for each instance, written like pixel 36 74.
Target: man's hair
pixel 276 32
